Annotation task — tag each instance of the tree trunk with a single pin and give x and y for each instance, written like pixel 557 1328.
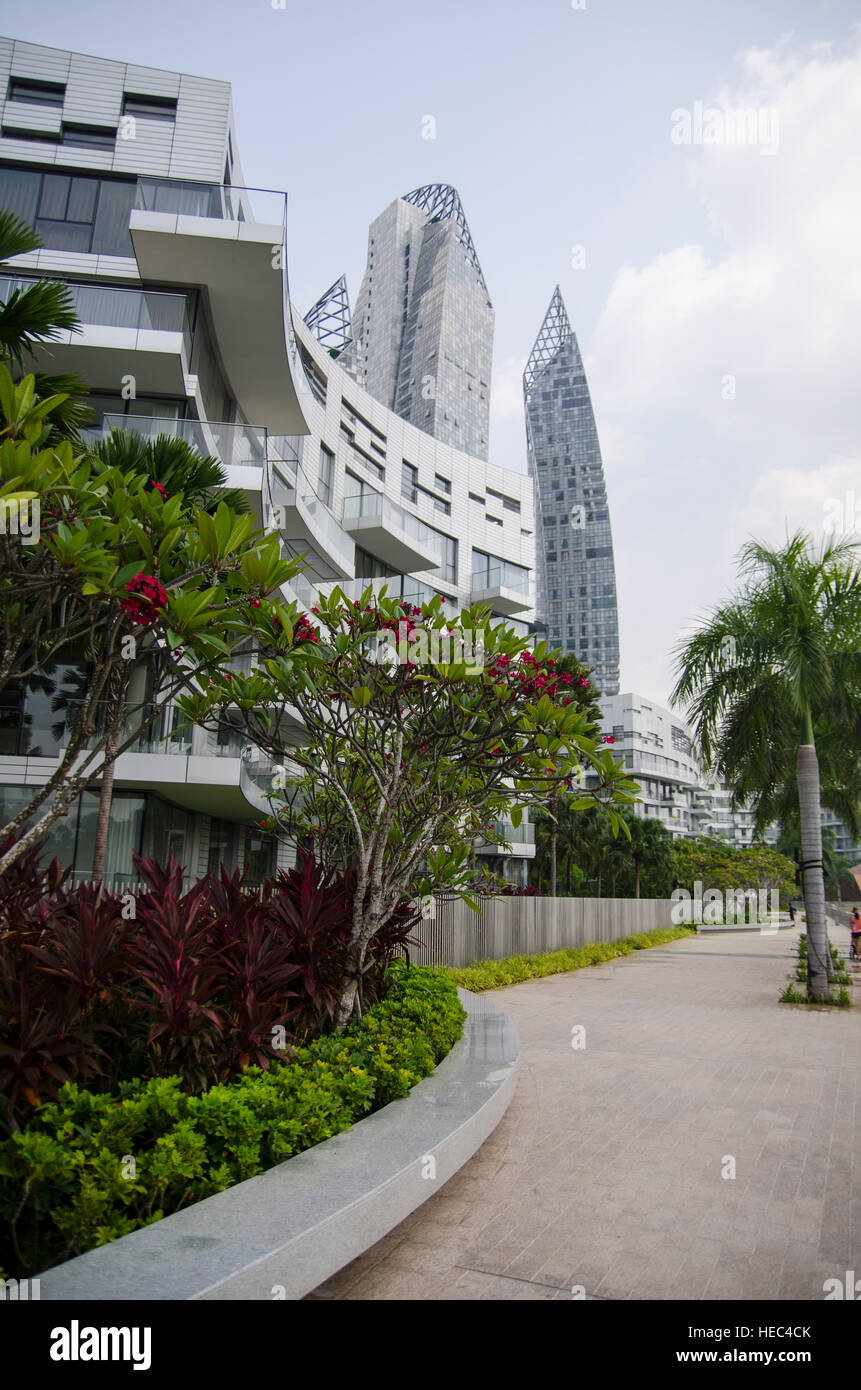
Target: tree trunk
pixel 637 879
pixel 117 689
pixel 348 1001
pixel 554 836
pixel 807 775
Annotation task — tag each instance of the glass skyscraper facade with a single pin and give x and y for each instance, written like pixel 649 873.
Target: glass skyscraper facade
pixel 423 321
pixel 574 553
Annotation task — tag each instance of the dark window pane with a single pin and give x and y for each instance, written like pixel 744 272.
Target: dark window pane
pixel 82 200
pixel 111 236
pixel 36 93
pixel 55 196
pixel 19 192
pixel 64 236
pixel 88 138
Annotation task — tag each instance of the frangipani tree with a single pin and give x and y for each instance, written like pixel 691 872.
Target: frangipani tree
pixel 398 765
pixel 120 574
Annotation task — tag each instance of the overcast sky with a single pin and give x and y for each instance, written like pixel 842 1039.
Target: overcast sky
pixel 715 288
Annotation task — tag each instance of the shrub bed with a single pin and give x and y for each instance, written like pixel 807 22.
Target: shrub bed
pixel 494 974
pixel 100 989
pixel 91 1167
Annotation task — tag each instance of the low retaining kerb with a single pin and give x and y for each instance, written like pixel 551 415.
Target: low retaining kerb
pixel 282 1233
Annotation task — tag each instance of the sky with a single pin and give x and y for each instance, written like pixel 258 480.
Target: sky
pixel 715 287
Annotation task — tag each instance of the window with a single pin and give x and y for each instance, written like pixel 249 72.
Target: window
pixel 72 213
pixel 89 137
pixel 36 93
pixel 409 482
pixel 153 108
pixel 327 459
pixel 446 548
pixel 442 484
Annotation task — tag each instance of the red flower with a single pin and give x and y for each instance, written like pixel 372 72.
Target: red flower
pixel 149 598
pixel 162 491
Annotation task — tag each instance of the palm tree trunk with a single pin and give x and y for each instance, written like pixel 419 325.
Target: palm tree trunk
pixel 807 775
pixel 637 879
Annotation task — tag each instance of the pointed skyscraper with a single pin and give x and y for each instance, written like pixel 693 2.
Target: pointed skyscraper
pixel 577 577
pixel 423 325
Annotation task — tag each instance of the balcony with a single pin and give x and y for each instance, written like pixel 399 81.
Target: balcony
pixel 235 446
pixel 151 330
pixel 402 589
pixel 392 534
pixel 232 241
pixel 504 592
pixel 520 838
pixel 307 527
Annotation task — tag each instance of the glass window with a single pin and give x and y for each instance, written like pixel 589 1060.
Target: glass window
pixel 36 93
pixel 167 831
pixel 111 230
pixel 19 192
pixel 55 196
pixel 154 108
pixel 409 482
pixel 327 460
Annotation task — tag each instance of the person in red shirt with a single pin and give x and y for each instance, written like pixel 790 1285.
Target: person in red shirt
pixel 855 928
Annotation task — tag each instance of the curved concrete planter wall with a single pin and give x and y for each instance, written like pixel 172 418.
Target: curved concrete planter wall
pixel 287 1230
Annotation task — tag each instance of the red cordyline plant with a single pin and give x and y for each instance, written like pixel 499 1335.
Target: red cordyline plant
pixel 98 988
pixel 402 765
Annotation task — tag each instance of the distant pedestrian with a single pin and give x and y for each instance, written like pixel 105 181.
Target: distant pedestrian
pixel 792 912
pixel 855 928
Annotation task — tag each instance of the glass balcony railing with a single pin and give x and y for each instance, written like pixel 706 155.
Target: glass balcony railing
pixel 106 307
pixel 504 832
pixel 501 577
pixel 226 202
pixel 229 443
pixel 371 504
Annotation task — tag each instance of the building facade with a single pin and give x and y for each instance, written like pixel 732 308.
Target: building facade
pixel 576 572
pixel 179 276
pixel 422 327
pixel 656 748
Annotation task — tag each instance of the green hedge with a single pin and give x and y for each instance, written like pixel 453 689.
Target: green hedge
pixel 493 974
pixel 90 1168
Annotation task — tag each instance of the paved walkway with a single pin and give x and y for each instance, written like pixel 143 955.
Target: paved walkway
pixel 606 1170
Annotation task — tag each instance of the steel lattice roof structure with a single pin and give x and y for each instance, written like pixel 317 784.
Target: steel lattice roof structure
pixel 440 200
pixel 555 332
pixel 330 318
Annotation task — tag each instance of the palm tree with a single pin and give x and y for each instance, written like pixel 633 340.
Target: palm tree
pixel 650 848
pixel 31 317
pixel 773 678
pixel 175 467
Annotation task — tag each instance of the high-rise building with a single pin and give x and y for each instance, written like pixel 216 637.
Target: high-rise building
pixel 574 552
pixel 423 321
pixel 131 177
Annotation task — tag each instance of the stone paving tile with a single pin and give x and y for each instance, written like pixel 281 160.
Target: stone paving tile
pixel 606 1171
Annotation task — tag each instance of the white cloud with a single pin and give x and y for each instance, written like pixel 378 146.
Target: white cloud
pixel 726 385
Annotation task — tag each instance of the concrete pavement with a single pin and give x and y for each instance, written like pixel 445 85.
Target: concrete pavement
pixel 612 1169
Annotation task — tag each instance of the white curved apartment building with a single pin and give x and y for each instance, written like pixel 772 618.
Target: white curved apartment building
pixel 132 178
